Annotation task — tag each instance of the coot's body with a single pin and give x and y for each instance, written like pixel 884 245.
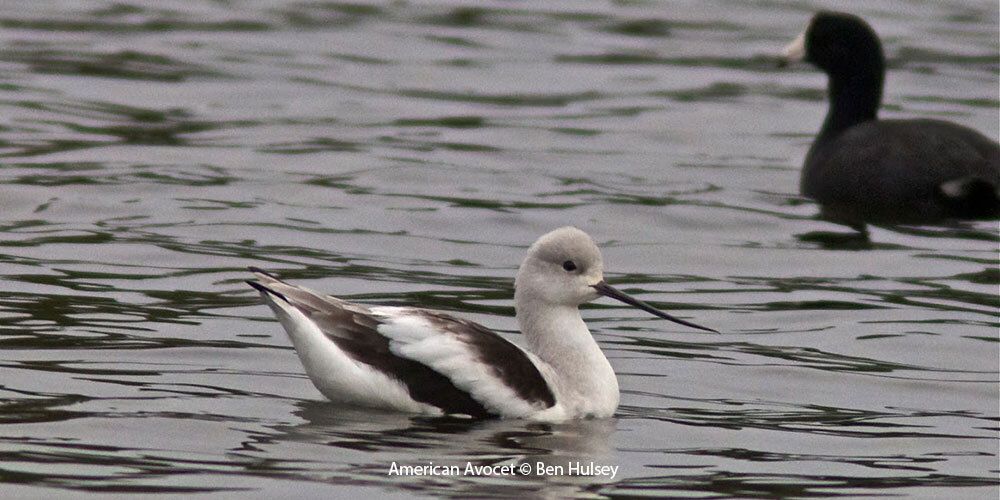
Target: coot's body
pixel 862 169
pixel 903 171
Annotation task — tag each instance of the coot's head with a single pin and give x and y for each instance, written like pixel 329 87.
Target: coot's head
pixel 839 44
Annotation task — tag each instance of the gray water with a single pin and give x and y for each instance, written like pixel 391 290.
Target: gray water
pixel 408 153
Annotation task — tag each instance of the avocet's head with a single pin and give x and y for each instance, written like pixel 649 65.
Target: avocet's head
pixel 564 268
pixel 560 268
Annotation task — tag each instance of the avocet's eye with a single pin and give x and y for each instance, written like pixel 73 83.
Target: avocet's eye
pixel 569 265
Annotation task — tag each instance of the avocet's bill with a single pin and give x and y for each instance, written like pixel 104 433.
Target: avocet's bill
pixel 421 361
pixel 611 292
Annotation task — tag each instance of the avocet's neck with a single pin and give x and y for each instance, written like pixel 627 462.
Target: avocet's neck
pixel 586 383
pixel 551 329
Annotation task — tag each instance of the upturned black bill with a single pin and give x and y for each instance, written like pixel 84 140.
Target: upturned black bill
pixel 609 291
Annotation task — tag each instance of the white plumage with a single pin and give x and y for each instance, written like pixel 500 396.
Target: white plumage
pixel 421 361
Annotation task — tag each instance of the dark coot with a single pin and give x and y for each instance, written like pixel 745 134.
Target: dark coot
pixel 862 169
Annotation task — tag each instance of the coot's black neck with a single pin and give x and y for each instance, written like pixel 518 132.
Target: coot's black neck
pixel 855 95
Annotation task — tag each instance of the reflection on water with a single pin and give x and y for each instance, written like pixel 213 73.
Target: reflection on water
pixel 400 153
pixel 529 449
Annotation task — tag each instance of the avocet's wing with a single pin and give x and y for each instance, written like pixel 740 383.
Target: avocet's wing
pixel 405 358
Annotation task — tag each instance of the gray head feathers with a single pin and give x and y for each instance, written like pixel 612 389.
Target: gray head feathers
pixel 566 244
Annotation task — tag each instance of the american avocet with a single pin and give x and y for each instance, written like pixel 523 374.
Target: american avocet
pixel 421 361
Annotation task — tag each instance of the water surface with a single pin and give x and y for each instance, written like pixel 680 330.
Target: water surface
pixel 408 153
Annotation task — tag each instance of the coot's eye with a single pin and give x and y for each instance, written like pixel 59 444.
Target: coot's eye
pixel 569 265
